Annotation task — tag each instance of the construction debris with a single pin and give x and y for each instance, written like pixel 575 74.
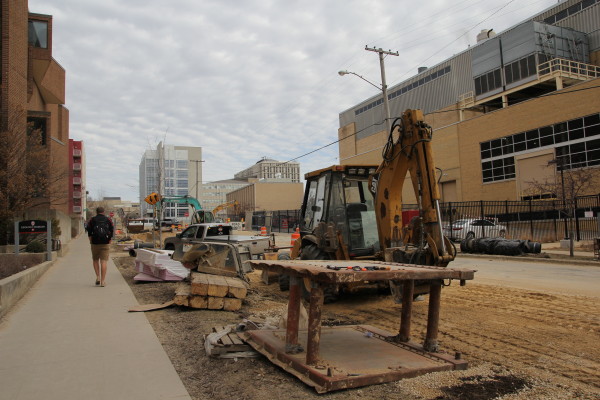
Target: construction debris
pixel 224 342
pixel 213 292
pixel 157 265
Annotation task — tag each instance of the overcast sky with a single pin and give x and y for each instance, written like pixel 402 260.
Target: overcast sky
pixel 241 79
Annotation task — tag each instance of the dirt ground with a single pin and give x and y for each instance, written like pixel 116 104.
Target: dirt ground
pixel 520 344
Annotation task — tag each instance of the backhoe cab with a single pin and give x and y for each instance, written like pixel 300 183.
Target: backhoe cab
pixel 338 214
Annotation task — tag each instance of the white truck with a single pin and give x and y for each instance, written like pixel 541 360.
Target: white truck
pixel 215 232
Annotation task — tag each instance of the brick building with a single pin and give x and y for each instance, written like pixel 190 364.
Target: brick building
pixel 32 92
pixel 501 110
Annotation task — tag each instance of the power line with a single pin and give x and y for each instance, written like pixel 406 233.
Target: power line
pixel 431 113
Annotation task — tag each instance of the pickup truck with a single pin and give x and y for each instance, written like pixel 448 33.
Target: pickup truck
pixel 215 232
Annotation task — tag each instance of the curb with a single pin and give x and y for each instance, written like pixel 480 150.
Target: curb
pixel 13 288
pixel 550 260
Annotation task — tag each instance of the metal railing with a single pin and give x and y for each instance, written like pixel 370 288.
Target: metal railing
pixel 568 68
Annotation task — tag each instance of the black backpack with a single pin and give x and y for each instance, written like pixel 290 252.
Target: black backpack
pixel 101 231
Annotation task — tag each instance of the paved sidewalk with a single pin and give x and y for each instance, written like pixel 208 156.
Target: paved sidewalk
pixel 69 339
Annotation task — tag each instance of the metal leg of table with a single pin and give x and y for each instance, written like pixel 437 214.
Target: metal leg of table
pixel 314 324
pixel 408 289
pixel 293 318
pixel 433 317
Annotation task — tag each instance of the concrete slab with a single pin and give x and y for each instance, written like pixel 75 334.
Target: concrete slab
pixel 69 339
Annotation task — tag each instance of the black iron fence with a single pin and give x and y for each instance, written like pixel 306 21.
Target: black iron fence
pixel 538 220
pixel 279 221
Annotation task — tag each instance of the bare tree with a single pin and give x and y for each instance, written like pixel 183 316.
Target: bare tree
pixel 567 183
pixel 29 177
pixel 24 175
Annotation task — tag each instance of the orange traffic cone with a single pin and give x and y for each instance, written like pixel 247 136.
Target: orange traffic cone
pixel 295 236
pixel 263 231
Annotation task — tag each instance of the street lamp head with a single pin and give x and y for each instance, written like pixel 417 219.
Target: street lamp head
pixel 342 73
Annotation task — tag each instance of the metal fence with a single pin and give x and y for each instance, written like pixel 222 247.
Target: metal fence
pixel 279 221
pixel 538 220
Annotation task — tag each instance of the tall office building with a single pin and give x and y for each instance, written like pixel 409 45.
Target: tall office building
pixel 171 171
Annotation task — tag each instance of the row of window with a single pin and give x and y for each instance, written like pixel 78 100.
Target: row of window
pixel 578 155
pixel 426 79
pixel 575 8
pixel 498 170
pixel 513 72
pixel 180 183
pixel 176 191
pixel 497 156
pixel 550 135
pixel 207 187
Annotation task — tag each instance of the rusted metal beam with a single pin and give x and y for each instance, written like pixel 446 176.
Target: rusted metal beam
pixel 408 290
pixel 293 318
pixel 313 340
pixel 433 317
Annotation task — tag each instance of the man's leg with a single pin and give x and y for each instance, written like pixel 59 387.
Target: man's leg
pixel 104 263
pixel 97 269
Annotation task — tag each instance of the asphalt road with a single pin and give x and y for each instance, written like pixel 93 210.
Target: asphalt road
pixel 541 276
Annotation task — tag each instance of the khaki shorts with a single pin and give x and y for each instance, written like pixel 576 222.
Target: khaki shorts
pixel 100 251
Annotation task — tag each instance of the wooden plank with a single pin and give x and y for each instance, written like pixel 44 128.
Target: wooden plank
pixel 237 288
pixel 235 338
pixel 217 286
pixel 199 284
pixel 151 307
pixel 225 340
pixel 216 271
pixel 198 301
pixel 231 304
pixel 182 294
pixel 215 303
pixel 181 300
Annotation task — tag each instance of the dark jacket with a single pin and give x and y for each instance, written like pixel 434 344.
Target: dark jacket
pixel 90 228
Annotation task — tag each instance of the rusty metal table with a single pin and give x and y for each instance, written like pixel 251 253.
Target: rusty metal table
pixel 322 272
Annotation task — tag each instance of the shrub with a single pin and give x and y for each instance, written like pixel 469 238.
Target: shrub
pixel 35 247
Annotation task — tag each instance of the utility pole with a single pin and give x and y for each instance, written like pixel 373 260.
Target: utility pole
pixel 386 104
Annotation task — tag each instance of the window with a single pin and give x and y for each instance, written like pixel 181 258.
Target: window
pixel 38 126
pixel 182 164
pixel 520 69
pixel 38 34
pixel 498 170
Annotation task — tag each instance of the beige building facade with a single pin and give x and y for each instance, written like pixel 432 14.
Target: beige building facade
pixel 261 196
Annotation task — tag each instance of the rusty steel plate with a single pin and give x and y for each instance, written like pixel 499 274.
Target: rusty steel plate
pixel 350 356
pixel 321 270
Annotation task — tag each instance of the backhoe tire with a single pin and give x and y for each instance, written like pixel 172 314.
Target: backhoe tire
pixel 284 279
pixel 312 252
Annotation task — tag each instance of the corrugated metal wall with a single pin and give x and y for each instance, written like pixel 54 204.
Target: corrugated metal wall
pixel 445 90
pixel 437 94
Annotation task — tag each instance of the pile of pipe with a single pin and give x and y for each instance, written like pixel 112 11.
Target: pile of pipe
pixel 500 246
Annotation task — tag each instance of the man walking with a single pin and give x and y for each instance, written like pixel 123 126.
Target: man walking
pixel 100 233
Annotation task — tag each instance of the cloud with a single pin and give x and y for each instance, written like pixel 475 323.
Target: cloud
pixel 240 79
